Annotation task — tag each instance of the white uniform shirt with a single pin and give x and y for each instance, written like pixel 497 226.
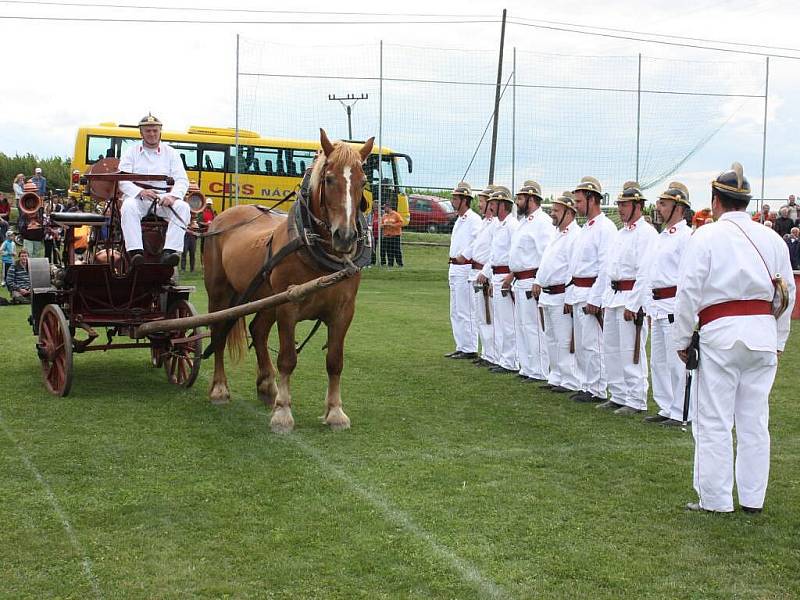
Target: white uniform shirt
pixel 481 250
pixel 588 259
pixel 529 241
pixel 664 264
pixel 501 244
pixel 163 160
pixel 720 265
pixel 464 231
pixel 628 258
pixel 554 267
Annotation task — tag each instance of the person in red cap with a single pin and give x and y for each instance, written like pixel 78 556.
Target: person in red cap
pixel 736 284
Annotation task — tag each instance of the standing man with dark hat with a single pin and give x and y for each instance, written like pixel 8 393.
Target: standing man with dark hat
pixel 153 157
pixel 736 281
pixel 464 231
pixel 480 255
pixel 550 287
pixel 496 271
pixel 624 326
pixel 667 371
pixel 589 282
pixel 528 243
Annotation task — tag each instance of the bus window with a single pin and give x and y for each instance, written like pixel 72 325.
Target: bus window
pixel 187 153
pixel 213 159
pixel 266 160
pixel 98 147
pixel 300 160
pixel 125 143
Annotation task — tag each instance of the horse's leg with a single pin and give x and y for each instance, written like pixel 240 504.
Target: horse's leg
pixel 219 295
pixel 282 420
pixel 337 330
pixel 265 383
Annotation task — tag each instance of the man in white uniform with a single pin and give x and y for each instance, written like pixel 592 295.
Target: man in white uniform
pixel 464 231
pixel 730 274
pixel 584 299
pixel 624 327
pixel 480 254
pixel 667 370
pixel 550 287
pixel 528 243
pixel 502 296
pixel 152 157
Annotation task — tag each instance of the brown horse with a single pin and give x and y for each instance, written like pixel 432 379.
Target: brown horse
pixel 235 257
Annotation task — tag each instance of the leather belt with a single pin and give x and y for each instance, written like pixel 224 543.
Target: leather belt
pixel 623 285
pixel 476 265
pixel 454 261
pixel 664 293
pixel 734 308
pixel 501 270
pixel 559 288
pixel 583 282
pixel 529 274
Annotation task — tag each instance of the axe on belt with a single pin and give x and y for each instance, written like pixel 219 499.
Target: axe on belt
pixel 484 288
pixel 692 361
pixel 529 294
pixel 638 321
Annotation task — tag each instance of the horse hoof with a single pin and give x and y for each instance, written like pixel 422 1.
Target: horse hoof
pixel 219 395
pixel 281 421
pixel 337 420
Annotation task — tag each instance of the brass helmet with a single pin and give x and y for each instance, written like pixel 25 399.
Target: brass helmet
pixel 676 191
pixel 487 191
pixel 589 184
pixel 149 119
pixel 531 188
pixel 502 194
pixel 463 189
pixel 733 183
pixel 568 200
pixel 631 192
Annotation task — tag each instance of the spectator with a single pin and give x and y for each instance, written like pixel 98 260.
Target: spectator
pixel 7 249
pixel 19 280
pixel 769 225
pixel 794 210
pixel 189 245
pixel 5 211
pixel 19 182
pixel 41 183
pixel 783 224
pixel 794 247
pixel 204 221
pixel 391 250
pixel 764 215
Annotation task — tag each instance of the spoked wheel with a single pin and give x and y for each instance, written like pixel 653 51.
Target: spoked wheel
pixel 156 356
pixel 182 359
pixel 55 350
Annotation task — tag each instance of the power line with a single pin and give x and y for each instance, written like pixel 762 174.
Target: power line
pixel 237 22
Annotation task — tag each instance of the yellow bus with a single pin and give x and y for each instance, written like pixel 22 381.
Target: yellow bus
pixel 269 168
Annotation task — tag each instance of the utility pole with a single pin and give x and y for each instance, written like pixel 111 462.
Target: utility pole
pixel 349 108
pixel 497 98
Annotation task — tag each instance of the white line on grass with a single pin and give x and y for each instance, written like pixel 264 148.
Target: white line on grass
pixel 85 561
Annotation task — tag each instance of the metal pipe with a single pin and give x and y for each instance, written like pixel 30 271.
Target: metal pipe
pixel 236 132
pixel 497 98
pixel 514 123
pixel 764 139
pixel 638 113
pixel 380 159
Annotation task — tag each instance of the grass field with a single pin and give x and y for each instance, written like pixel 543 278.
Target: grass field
pixel 452 483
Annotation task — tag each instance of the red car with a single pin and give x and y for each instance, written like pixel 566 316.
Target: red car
pixel 430 213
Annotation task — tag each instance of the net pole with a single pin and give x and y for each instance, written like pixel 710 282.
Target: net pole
pixel 764 135
pixel 514 122
pixel 638 113
pixel 380 156
pixel 497 98
pixel 236 131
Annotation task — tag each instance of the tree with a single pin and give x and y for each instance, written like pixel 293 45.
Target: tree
pixel 56 169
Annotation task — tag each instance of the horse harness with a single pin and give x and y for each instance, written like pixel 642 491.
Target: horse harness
pixel 310 245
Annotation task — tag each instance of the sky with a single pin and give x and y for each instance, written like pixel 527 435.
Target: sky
pixel 68 74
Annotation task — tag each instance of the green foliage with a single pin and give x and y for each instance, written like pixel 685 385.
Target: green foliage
pixel 452 483
pixel 55 169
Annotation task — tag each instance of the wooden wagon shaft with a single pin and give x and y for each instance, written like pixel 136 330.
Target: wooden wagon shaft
pixel 295 293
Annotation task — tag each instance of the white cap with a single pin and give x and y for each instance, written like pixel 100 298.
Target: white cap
pixel 37 170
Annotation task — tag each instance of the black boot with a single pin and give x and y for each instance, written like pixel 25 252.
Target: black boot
pixel 135 258
pixel 170 258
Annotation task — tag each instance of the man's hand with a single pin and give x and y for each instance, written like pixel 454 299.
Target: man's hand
pixel 567 309
pixel 506 283
pixel 482 279
pixel 629 315
pixel 591 309
pixel 24 292
pixel 537 290
pixel 167 200
pixel 683 355
pixel 148 195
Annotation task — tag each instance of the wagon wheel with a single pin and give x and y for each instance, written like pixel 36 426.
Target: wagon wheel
pixel 156 356
pixel 55 350
pixel 182 361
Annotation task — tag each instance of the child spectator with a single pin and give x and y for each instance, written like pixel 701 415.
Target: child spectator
pixel 8 249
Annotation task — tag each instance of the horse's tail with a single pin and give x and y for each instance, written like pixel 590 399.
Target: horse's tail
pixel 237 341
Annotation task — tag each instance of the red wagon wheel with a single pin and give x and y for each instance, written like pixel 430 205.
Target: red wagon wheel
pixel 55 350
pixel 182 359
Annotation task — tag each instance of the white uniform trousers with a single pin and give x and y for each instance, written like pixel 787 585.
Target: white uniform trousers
pixel 461 321
pixel 485 331
pixel 627 382
pixel 588 357
pixel 667 371
pixel 558 333
pixel 733 387
pixel 503 319
pixel 133 209
pixel 531 343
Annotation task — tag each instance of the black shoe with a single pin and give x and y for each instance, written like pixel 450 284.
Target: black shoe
pixel 695 507
pixel 655 419
pixel 672 423
pixel 456 354
pixel 609 405
pixel 502 370
pixel 577 395
pixel 751 510
pixel 170 258
pixel 135 258
pixel 559 389
pixel 466 355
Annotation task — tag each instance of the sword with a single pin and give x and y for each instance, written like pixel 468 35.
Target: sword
pixel 692 361
pixel 637 343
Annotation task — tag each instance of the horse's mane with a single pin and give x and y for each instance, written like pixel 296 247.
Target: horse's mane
pixel 343 154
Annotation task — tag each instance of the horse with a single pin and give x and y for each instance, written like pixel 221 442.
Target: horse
pixel 242 237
